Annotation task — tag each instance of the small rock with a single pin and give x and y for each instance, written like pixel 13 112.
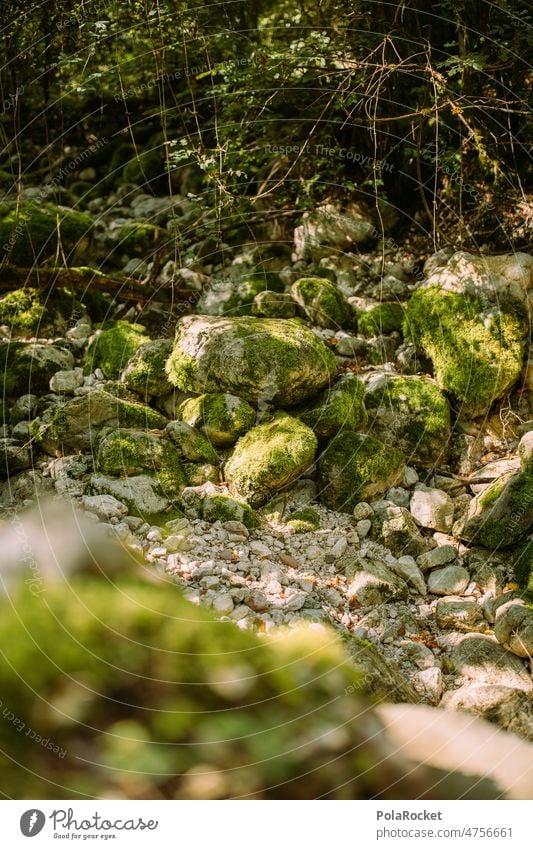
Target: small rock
pixel 223 604
pixel 459 615
pixel 66 382
pixel 452 580
pixel 362 511
pixel 257 601
pixel 429 683
pixel 514 628
pixel 432 508
pixel 437 557
pixel 105 506
pixel 407 569
pixel 362 527
pixel 398 496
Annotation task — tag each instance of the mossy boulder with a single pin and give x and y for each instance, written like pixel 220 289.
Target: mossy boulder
pixel 144 372
pixel 30 233
pixel 221 417
pixel 144 495
pixel 128 451
pixel 22 310
pixel 76 423
pixel 234 293
pixel 191 690
pixel 258 359
pixel 192 444
pixel 304 521
pixel 476 350
pixel 502 514
pixel 32 312
pixel 410 413
pixel 111 349
pixel 27 366
pixel 224 508
pixel 269 457
pixel 339 407
pixel 355 467
pixel 322 303
pixel 383 318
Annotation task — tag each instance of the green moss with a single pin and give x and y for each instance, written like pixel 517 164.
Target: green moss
pixel 27 367
pixel 501 515
pixel 355 467
pixel 22 309
pixel 269 457
pixel 111 349
pixel 30 233
pixel 304 521
pixel 138 239
pixel 145 371
pixel 234 297
pixel 522 561
pixel 384 318
pixel 337 408
pixel 411 413
pixel 224 508
pixel 222 418
pixel 191 443
pixel 322 302
pixel 254 358
pixel 199 473
pixel 476 355
pixel 130 452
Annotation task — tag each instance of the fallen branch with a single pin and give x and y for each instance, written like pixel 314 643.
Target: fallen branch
pixel 87 279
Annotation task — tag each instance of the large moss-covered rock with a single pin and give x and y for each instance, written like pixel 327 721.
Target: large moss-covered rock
pixel 29 234
pixel 197 707
pixel 27 366
pixel 111 349
pixel 269 457
pixel 502 514
pixel 322 302
pixel 476 350
pixel 221 417
pixel 355 467
pixel 410 413
pixel 145 370
pixel 128 451
pixel 503 279
pixel 337 408
pixel 254 358
pixel 76 423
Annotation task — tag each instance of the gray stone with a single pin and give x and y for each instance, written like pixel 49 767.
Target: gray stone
pixel 105 506
pixel 480 660
pixel 374 583
pixel 141 493
pixel 514 628
pixel 437 557
pixel 397 530
pixel 452 580
pixel 509 708
pixel 429 684
pixel 407 569
pixel 432 508
pixel 454 614
pixel 66 382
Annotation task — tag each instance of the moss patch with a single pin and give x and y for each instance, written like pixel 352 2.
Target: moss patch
pixel 411 413
pixel 224 508
pixel 222 418
pixel 111 349
pixel 337 408
pixel 322 302
pixel 269 457
pixel 383 318
pixel 304 521
pixel 145 371
pixel 477 355
pixel 355 467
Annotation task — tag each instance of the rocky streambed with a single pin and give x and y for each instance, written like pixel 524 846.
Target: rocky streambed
pixel 325 438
